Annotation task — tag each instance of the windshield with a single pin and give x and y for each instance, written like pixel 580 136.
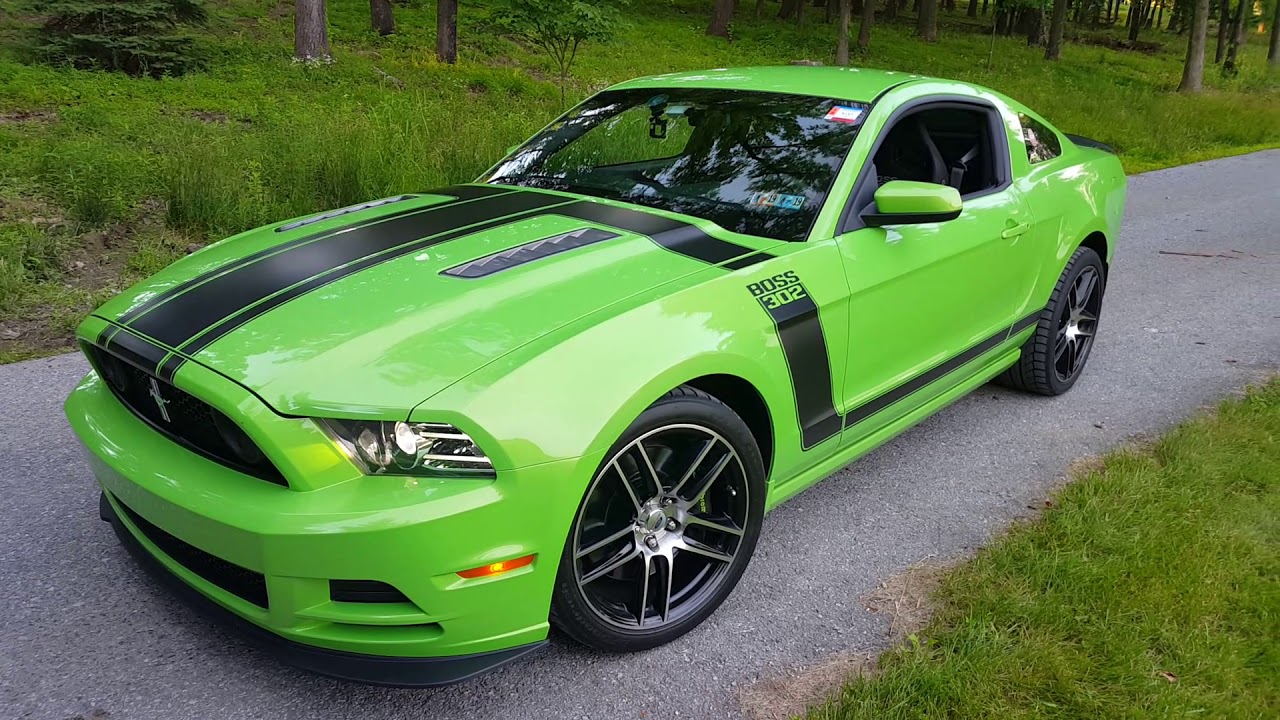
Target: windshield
pixel 752 162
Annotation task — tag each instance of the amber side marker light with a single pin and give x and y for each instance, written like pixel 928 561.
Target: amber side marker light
pixel 496 568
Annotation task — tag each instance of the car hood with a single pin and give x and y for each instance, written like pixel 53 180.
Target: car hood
pixel 370 310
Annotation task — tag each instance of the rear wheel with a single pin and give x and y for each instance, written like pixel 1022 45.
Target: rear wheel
pixel 1054 357
pixel 666 529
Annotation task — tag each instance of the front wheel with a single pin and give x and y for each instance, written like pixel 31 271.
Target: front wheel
pixel 1055 355
pixel 666 528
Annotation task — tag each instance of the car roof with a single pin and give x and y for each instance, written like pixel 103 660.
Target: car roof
pixel 848 83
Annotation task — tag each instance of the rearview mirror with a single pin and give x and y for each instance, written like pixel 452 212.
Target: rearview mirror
pixel 904 202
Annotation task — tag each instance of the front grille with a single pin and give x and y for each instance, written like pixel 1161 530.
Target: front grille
pixel 191 422
pixel 241 582
pixel 364 591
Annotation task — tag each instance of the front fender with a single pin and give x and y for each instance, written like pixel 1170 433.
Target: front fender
pixel 574 392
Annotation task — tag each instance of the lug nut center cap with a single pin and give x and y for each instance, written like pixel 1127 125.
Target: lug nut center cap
pixel 651 519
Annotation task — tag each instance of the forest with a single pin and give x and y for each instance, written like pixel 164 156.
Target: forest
pixel 134 131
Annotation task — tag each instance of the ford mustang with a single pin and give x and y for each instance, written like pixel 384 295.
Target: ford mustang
pixel 398 442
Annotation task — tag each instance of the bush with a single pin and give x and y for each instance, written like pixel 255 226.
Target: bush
pixel 138 37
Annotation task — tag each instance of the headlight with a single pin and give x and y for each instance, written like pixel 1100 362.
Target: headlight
pixel 409 448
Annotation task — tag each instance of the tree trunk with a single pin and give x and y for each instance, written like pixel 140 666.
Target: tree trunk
pixel 1160 17
pixel 788 9
pixel 1135 20
pixel 842 34
pixel 972 11
pixel 1054 48
pixel 1273 52
pixel 800 12
pixel 447 31
pixel 310 32
pixel 381 18
pixel 1237 39
pixel 927 21
pixel 1035 20
pixel 759 8
pixel 721 16
pixel 984 6
pixel 1193 69
pixel 890 9
pixel 864 27
pixel 1224 29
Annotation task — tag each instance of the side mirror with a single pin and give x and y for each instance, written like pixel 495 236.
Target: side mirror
pixel 906 202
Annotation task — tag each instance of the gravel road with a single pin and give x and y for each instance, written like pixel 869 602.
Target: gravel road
pixel 84 633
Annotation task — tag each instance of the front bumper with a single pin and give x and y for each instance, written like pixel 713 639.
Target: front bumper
pixel 411 534
pixel 356 667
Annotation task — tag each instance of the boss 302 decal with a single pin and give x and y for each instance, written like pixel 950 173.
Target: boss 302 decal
pixel 795 315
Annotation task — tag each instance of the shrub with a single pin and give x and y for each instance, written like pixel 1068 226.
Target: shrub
pixel 138 37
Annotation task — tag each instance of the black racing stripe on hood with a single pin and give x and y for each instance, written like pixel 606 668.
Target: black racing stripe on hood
pixel 204 339
pixel 678 237
pixel 136 351
pixel 460 193
pixel 186 316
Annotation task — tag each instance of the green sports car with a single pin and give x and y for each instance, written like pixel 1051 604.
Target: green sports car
pixel 399 441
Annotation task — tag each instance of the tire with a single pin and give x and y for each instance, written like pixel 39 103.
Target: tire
pixel 1045 367
pixel 609 594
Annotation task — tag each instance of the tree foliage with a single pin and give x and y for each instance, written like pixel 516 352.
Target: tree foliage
pixel 559 27
pixel 138 37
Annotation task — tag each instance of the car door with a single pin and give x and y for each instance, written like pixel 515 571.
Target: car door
pixel 921 295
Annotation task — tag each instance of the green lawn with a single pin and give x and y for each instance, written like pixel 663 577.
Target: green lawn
pixel 1151 588
pixel 106 178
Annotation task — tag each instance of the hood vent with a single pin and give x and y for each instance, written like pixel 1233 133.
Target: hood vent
pixel 536 250
pixel 341 211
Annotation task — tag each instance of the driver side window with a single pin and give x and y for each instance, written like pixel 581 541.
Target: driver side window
pixel 945 145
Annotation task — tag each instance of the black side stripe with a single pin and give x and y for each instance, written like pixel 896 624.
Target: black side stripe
pixel 187 315
pixel 805 348
pixel 461 193
pixel 674 235
pixel 937 372
pixel 1025 322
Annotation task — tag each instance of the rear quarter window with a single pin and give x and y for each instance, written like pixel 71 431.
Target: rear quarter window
pixel 1042 143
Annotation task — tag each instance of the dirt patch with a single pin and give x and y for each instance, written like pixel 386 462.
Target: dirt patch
pixel 93 264
pixel 24 117
pixel 906 599
pixel 789 694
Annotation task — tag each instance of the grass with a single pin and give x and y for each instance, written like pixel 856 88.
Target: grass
pixel 257 139
pixel 1151 588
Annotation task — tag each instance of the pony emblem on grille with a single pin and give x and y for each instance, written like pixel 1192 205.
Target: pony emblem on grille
pixel 161 402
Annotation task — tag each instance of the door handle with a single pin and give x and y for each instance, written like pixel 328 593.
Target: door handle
pixel 1015 230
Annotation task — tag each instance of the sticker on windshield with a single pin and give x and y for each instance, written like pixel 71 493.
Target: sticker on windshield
pixel 778 201
pixel 844 114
